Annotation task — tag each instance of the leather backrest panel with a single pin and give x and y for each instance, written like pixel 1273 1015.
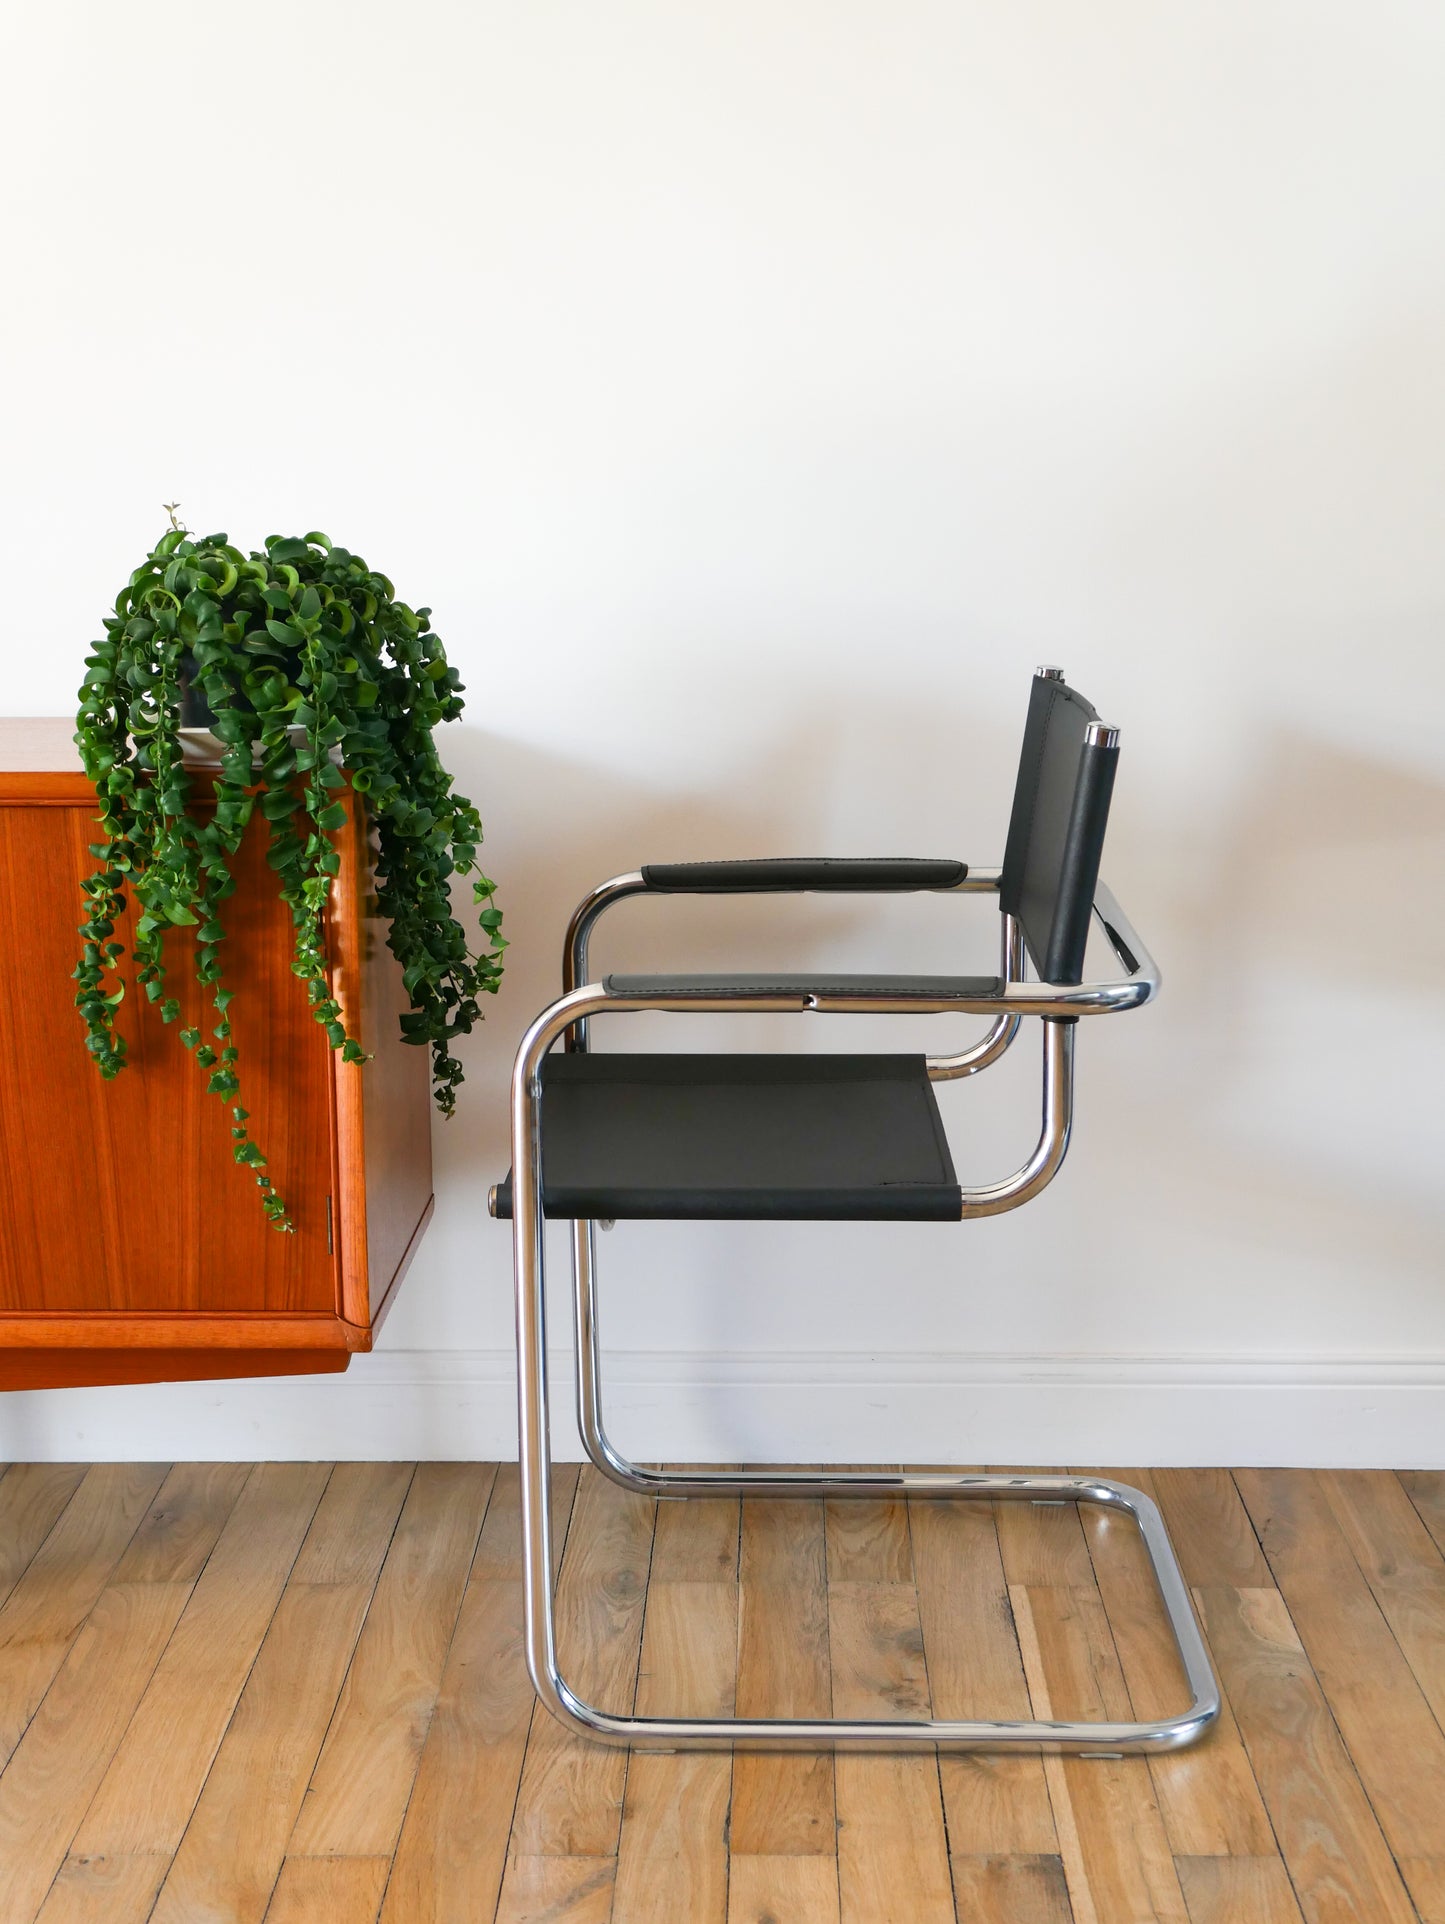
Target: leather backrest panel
pixel 1056 831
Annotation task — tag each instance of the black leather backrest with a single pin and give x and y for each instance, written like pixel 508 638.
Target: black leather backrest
pixel 1056 831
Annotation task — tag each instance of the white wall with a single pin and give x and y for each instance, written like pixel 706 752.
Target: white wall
pixel 757 392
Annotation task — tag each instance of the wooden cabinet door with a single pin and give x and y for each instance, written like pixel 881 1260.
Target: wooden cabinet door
pixel 132 1246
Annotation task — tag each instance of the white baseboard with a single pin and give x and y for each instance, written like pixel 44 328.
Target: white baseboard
pixel 1380 1411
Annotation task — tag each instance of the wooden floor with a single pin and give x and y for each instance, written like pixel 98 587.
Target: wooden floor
pixel 295 1693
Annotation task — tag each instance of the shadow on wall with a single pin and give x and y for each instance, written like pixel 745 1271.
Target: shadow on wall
pixel 1305 1051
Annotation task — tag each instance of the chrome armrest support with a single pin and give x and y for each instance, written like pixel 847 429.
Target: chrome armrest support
pixel 1054 1131
pixel 593 906
pixel 588 912
pixel 1000 1036
pixel 1138 984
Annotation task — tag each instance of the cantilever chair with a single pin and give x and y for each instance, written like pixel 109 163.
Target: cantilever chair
pixel 600 1137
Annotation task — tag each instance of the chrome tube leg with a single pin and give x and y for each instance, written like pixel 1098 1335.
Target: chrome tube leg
pixel 789 1733
pixel 589 1374
pixel 534 1449
pixel 1166 1734
pixel 1001 1034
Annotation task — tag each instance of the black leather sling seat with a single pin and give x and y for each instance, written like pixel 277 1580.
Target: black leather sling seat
pixel 805 1138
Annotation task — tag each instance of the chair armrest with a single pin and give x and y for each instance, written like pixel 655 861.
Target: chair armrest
pixel 775 874
pixel 800 988
pixel 831 993
pixel 881 875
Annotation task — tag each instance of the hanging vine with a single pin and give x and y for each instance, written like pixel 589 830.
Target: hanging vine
pixel 312 675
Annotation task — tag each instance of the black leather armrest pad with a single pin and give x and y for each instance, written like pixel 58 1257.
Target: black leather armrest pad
pixel 802 872
pixel 922 988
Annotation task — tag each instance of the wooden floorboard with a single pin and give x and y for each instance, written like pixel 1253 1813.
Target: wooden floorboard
pixel 783 1805
pixel 329 1890
pixel 764 1890
pixel 1426 1490
pixel 1011 1890
pixel 995 1806
pixel 147 1795
pixel 1329 1836
pixel 453 1848
pixel 44 1611
pixel 892 1839
pixel 231 1854
pixel 1402 1564
pixel 293 1693
pixel 61 1758
pixel 104 1890
pixel 1393 1740
pixel 570 1800
pixel 1207 1796
pixel 675 1812
pixel 1237 1890
pixel 1115 1849
pixel 362 1782
pixel 33 1497
pixel 453 1843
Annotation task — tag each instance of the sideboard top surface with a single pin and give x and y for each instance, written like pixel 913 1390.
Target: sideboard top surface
pixel 42 745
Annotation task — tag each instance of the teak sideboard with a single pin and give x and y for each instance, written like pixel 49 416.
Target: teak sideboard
pixel 132 1248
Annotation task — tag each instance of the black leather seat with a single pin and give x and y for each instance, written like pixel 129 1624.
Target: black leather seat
pixel 803 1137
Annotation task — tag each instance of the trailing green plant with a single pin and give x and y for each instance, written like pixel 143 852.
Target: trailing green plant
pixel 314 675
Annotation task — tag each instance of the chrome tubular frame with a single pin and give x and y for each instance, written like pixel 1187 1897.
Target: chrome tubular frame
pixel 978 881
pixel 1138 984
pixel 1005 1027
pixel 588 912
pixel 569 1017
